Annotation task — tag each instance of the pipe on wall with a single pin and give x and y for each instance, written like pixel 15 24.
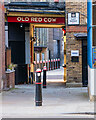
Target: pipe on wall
pixel 89 34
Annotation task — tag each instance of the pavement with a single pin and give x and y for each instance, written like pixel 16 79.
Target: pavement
pixel 58 101
pixel 54 76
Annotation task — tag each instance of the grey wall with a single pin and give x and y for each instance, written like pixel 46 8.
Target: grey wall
pixel 27 45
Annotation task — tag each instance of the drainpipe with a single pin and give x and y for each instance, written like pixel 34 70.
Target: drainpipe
pixel 89 30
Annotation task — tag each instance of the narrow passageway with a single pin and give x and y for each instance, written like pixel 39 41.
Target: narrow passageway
pixel 54 77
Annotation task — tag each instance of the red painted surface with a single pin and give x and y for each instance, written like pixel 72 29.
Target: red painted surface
pixel 56 0
pixel 38 83
pixel 41 20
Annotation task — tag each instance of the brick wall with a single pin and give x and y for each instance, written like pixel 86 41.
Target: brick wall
pixel 74 69
pixel 2 44
pixel 10 80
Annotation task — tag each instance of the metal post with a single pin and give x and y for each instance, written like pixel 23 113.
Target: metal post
pixel 34 65
pixel 56 63
pixel 46 64
pixel 65 71
pixel 44 76
pixel 32 76
pixel 49 64
pixel 38 97
pixel 41 65
pixel 29 75
pixel 32 52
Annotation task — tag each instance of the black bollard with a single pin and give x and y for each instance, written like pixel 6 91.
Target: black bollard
pixel 38 97
pixel 41 65
pixel 58 63
pixel 34 65
pixel 32 76
pixel 44 76
pixel 54 64
pixel 29 75
pixel 49 65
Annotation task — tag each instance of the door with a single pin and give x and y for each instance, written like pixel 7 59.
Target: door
pixel 16 41
pixel 21 75
pixel 84 63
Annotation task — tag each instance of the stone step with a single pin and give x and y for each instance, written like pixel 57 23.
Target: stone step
pixel 73 84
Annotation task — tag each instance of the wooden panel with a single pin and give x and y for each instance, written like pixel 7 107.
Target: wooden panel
pixel 8 57
pixel 32 14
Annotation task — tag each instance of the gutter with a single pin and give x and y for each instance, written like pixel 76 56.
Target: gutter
pixel 36 11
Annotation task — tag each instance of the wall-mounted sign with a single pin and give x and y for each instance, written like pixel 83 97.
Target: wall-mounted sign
pixel 73 18
pixel 74 53
pixel 46 20
pixel 39 49
pixel 94 57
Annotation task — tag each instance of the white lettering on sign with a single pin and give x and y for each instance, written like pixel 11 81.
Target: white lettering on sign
pixel 26 19
pixel 54 19
pixel 23 19
pixel 40 19
pixel 45 19
pixel 49 20
pixel 36 19
pixel 19 18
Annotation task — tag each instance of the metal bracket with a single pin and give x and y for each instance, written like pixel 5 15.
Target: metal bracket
pixel 91 27
pixel 33 39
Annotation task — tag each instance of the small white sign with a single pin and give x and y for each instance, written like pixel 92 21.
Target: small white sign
pixel 74 53
pixel 38 74
pixel 73 18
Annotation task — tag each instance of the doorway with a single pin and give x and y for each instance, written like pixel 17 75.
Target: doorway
pixel 84 63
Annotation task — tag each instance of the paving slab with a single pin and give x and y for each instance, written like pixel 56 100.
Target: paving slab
pixel 57 102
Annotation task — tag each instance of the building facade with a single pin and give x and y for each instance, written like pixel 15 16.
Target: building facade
pixel 2 45
pixel 76 43
pixel 49 43
pixel 91 28
pixel 49 39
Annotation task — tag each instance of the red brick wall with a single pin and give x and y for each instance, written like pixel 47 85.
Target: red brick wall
pixel 2 43
pixel 10 80
pixel 76 29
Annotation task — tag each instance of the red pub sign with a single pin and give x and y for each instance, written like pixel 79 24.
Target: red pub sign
pixel 41 20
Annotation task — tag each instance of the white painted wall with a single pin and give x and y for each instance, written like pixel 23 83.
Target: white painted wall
pixel 92 81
